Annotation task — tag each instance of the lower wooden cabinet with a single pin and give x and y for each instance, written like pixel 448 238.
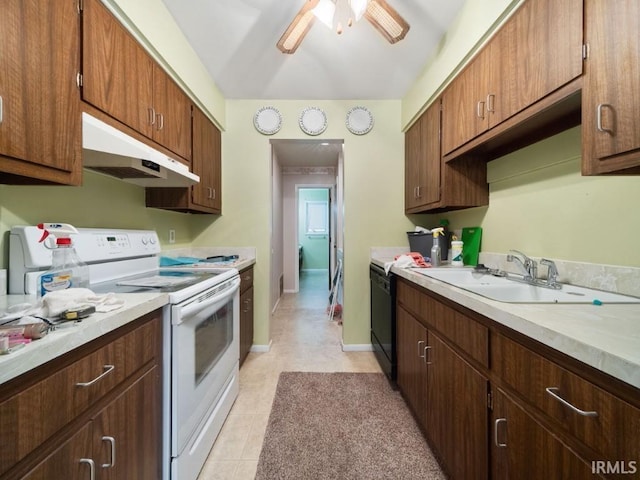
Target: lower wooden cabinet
pixel 447 395
pixel 246 312
pixel 522 448
pixel 94 413
pixel 495 404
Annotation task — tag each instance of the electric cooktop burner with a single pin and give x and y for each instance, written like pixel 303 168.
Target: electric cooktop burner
pixel 165 280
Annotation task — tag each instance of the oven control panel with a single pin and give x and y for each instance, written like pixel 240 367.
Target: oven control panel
pixel 92 245
pixel 120 244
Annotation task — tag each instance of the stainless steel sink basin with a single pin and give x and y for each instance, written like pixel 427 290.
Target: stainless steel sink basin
pixel 505 290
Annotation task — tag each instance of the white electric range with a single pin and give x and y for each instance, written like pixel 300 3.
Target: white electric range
pixel 200 328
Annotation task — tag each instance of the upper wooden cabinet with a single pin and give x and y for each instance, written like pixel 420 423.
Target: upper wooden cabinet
pixel 207 163
pixel 431 184
pixel 611 91
pixel 122 80
pixel 422 160
pixel 536 52
pixel 206 196
pixel 40 129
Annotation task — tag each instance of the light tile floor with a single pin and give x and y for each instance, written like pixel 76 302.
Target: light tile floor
pixel 303 340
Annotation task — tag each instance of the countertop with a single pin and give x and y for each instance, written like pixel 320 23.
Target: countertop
pixel 606 337
pixel 73 335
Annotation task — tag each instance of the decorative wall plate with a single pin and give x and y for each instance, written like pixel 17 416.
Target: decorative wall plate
pixel 313 121
pixel 267 120
pixel 359 121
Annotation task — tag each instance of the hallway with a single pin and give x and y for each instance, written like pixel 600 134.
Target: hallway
pixel 303 340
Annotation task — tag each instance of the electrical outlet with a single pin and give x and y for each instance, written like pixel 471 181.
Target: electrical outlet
pixel 172 236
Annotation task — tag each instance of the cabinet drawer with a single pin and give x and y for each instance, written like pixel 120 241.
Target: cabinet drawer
pixel 408 296
pixel 30 417
pixel 597 418
pixel 466 333
pixel 246 279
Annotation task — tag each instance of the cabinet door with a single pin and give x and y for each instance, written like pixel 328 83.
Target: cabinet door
pixel 412 164
pixel 544 50
pixel 127 435
pixel 206 162
pixel 246 323
pixel 40 130
pixel 456 411
pixel 464 106
pixel 411 342
pixel 64 462
pixel 523 449
pixel 173 114
pixel 422 160
pixel 611 94
pixel 117 72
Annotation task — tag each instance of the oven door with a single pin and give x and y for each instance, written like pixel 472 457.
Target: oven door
pixel 205 350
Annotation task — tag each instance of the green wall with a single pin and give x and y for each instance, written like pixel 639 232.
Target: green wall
pixel 101 201
pixel 540 203
pixel 315 248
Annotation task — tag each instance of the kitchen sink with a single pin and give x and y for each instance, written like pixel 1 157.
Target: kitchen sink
pixel 507 290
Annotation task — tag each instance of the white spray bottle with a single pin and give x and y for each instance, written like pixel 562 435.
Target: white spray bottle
pixel 67 269
pixel 436 252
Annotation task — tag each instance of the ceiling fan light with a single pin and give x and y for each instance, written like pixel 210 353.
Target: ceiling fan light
pixel 325 11
pixel 388 22
pixel 358 7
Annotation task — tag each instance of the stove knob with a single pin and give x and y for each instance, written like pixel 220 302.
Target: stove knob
pixel 152 240
pixel 144 240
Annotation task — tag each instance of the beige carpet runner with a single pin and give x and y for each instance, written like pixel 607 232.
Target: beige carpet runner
pixel 342 426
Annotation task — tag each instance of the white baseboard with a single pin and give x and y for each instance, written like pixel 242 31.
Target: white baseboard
pixel 261 348
pixel 354 347
pixel 290 291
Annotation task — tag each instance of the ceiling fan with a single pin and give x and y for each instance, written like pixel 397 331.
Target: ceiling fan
pixel 381 15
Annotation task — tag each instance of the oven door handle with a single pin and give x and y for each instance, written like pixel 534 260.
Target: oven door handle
pixel 195 305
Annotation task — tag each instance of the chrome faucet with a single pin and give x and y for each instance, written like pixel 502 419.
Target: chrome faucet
pixel 526 264
pixel 552 273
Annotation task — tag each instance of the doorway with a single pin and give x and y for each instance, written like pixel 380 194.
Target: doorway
pixel 301 167
pixel 314 232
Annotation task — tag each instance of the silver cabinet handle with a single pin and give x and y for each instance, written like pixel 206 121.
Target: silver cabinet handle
pixel 247 302
pixel 480 109
pixel 0 109
pixel 152 115
pixel 112 444
pixel 496 426
pixel 599 118
pixel 92 467
pixel 160 124
pixel 491 103
pixel 553 392
pixel 210 196
pixel 107 370
pixel 419 193
pixel 425 355
pixel 420 348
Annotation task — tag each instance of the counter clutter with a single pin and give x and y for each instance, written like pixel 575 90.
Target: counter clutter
pixel 74 334
pixel 605 337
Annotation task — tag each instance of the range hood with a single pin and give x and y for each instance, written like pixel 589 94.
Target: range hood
pixel 108 150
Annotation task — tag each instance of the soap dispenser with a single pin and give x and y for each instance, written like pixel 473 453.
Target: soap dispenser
pixel 436 252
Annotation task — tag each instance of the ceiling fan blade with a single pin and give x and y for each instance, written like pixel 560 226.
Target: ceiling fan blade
pixel 298 28
pixel 386 20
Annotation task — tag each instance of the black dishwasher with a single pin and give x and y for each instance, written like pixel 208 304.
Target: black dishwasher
pixel 383 319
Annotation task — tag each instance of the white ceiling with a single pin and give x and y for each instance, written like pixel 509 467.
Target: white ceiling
pixel 236 41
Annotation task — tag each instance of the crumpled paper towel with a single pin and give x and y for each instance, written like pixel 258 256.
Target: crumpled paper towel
pixel 54 303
